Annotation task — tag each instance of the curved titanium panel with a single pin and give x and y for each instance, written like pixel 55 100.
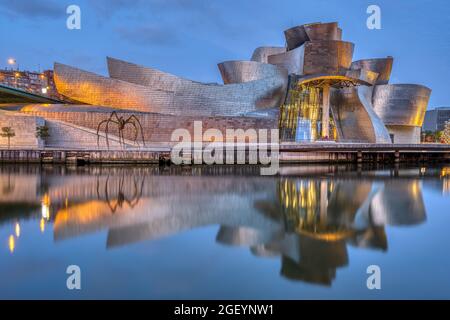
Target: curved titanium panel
pixel 328 56
pixel 149 90
pixel 261 54
pixel 354 116
pixel 268 92
pixel 316 57
pixel 245 71
pixel 382 66
pixel 322 31
pixel 401 104
pixel 339 34
pixel 291 60
pixel 295 37
pixel 298 35
pixel 154 78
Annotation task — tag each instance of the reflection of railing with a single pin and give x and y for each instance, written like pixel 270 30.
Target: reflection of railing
pixel 120 197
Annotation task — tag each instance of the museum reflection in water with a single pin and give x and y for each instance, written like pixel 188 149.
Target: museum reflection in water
pixel 306 217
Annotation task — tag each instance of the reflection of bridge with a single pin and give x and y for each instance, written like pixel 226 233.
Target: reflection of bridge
pixel 307 221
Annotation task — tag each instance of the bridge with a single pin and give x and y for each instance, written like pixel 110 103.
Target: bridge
pixel 13 95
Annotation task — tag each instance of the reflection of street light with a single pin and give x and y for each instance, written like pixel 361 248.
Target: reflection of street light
pixel 42 225
pixel 45 207
pixel 17 229
pixel 11 243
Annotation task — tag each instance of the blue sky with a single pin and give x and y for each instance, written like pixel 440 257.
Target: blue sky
pixel 189 37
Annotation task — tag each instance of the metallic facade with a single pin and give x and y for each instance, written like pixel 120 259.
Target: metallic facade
pixel 316 57
pixel 262 54
pixel 165 93
pixel 382 66
pixel 298 35
pixel 352 101
pixel 291 60
pixel 355 118
pixel 401 104
pixel 245 71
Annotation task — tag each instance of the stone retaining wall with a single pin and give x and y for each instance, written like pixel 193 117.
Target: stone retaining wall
pixel 24 127
pixel 158 127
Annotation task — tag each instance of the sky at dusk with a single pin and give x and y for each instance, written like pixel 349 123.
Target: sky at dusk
pixel 189 37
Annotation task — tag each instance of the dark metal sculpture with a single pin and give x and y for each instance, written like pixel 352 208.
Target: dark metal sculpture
pixel 121 124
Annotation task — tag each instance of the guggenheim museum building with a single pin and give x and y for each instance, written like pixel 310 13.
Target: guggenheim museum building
pixel 311 89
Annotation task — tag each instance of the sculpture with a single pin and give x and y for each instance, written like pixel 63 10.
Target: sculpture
pixel 121 123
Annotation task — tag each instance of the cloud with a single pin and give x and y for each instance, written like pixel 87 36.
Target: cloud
pixel 106 8
pixel 191 13
pixel 32 9
pixel 148 35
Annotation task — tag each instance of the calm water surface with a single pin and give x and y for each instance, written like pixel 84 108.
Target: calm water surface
pixel 224 232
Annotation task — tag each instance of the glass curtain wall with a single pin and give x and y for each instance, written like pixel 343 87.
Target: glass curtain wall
pixel 301 115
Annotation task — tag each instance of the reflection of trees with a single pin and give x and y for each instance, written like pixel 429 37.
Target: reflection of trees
pixel 118 186
pixel 9 187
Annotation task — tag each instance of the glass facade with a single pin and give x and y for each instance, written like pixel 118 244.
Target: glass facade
pixel 301 115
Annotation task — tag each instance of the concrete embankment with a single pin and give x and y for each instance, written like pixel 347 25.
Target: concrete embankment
pixel 288 153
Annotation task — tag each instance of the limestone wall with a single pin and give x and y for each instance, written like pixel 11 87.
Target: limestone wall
pixel 66 135
pixel 157 127
pixel 24 127
pixel 405 134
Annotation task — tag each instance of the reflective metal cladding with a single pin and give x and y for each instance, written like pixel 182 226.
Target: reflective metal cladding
pixel 262 53
pixel 148 90
pixel 245 71
pixel 298 35
pixel 401 104
pixel 329 96
pixel 382 66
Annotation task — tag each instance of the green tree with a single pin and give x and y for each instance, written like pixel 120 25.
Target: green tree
pixel 42 132
pixel 8 132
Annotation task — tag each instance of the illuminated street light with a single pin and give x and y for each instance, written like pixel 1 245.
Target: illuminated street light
pixel 44 90
pixel 11 61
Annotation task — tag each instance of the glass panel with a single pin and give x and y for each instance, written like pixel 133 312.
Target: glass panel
pixel 300 117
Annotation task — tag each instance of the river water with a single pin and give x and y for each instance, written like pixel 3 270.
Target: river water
pixel 211 232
